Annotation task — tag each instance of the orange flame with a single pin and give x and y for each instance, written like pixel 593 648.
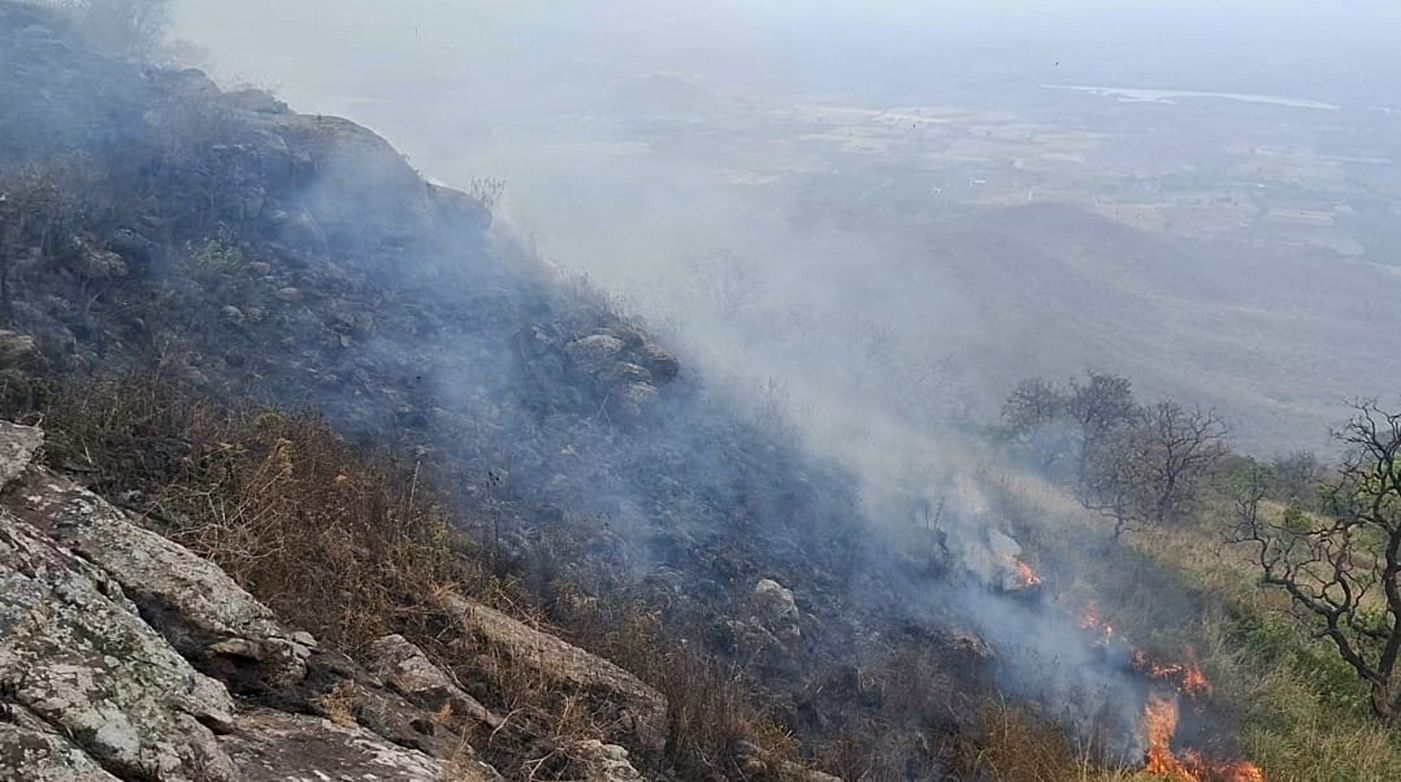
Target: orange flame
pixel 1025 575
pixel 1159 726
pixel 1160 715
pixel 1022 574
pixel 1208 771
pixel 1188 676
pixel 1090 620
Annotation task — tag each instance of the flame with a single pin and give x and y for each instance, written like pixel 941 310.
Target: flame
pixel 1194 682
pixel 1159 726
pixel 1187 676
pixel 1208 771
pixel 1021 573
pixel 1160 715
pixel 1025 575
pixel 1090 621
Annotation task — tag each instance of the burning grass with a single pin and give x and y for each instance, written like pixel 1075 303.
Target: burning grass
pixel 1292 706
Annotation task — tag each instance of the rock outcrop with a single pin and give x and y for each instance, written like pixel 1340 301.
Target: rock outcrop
pixel 123 655
pixel 81 665
pixel 119 650
pixel 777 610
pixel 628 710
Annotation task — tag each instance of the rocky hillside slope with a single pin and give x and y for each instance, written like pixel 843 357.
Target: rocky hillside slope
pixel 155 226
pixel 125 656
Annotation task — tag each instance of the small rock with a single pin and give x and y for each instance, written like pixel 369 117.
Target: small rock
pixel 661 363
pixel 603 762
pixel 594 354
pixel 778 611
pixel 289 294
pixel 305 639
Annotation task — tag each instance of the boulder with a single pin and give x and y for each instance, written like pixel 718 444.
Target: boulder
pixel 95 263
pixel 408 672
pixel 660 362
pixel 274 746
pixel 595 354
pixel 600 762
pixel 191 601
pixel 76 655
pixel 629 710
pixel 789 771
pixel 777 610
pixel 136 251
pixel 30 750
pixel 18 445
pixel 16 349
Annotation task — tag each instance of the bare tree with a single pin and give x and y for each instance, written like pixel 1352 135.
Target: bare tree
pixel 1035 422
pixel 1298 476
pixel 1342 570
pixel 1100 406
pixel 1073 420
pixel 1034 403
pixel 730 283
pixel 1152 469
pixel 1184 447
pixel 1115 481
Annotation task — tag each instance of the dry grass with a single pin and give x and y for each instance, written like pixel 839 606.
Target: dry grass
pixel 1300 713
pixel 1015 745
pixel 350 546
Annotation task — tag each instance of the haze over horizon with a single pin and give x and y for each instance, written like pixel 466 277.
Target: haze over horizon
pixel 798 137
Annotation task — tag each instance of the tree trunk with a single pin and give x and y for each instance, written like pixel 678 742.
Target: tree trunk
pixel 1384 703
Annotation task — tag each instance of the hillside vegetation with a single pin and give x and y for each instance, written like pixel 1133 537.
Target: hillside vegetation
pixel 266 338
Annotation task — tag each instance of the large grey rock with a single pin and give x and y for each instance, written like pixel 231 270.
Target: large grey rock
pixel 189 600
pixel 409 672
pixel 32 751
pixel 789 771
pixel 274 746
pixel 778 611
pixel 663 365
pixel 18 445
pixel 75 654
pixel 595 354
pixel 632 712
pixel 96 263
pixel 601 762
pixel 16 349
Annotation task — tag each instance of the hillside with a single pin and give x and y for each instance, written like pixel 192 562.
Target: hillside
pixel 224 248
pixel 338 479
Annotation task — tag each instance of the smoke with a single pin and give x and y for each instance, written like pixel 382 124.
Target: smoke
pixel 762 184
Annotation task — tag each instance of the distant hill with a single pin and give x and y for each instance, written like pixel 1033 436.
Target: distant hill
pixel 1277 341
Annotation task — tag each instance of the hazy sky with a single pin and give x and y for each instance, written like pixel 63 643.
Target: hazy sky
pixel 317 50
pixel 546 94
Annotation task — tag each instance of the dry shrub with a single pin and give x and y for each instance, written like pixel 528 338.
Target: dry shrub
pixel 333 543
pixel 1013 745
pixel 351 547
pixel 710 710
pixel 339 704
pixel 337 543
